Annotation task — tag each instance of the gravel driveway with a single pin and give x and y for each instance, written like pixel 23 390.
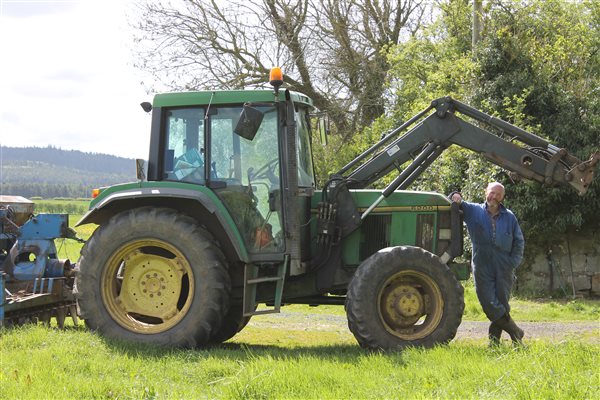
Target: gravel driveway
pixel 555 331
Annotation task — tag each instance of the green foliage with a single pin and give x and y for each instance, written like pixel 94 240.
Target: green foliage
pixel 537 66
pixel 436 62
pixel 432 64
pixel 330 158
pixel 338 152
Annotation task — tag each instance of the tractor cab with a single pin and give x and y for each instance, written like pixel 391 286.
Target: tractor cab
pixel 235 150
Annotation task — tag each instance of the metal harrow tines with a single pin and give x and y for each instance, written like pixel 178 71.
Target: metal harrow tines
pixel 43 315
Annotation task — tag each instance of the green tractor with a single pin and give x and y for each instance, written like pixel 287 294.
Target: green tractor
pixel 228 217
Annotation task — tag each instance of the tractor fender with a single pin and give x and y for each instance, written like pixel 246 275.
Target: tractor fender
pixel 198 202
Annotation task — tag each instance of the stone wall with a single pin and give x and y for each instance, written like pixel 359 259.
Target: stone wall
pixel 569 262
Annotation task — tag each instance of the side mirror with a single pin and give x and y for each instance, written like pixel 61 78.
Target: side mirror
pixel 249 122
pixel 146 106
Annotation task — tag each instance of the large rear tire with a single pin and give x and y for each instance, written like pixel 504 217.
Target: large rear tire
pixel 404 296
pixel 153 275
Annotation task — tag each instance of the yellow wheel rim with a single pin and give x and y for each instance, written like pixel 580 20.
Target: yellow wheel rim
pixel 410 305
pixel 147 286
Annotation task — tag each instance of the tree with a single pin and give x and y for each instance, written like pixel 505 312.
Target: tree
pixel 334 51
pixel 537 65
pixel 437 61
pixel 540 68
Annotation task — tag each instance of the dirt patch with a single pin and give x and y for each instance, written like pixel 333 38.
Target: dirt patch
pixel 588 331
pixel 555 331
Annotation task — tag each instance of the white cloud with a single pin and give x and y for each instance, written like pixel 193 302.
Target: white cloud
pixel 67 80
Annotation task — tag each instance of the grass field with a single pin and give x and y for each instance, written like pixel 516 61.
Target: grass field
pixel 289 356
pixel 283 362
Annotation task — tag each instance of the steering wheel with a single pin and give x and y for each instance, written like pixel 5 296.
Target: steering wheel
pixel 267 171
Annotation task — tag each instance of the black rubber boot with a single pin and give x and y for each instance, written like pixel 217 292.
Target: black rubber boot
pixel 507 324
pixel 494 333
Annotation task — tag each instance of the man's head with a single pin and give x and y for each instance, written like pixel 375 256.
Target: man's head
pixel 494 194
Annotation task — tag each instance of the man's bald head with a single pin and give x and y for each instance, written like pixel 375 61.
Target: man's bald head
pixel 494 194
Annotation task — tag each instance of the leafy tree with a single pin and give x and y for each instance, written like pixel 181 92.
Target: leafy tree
pixel 434 62
pixel 536 66
pixel 437 61
pixel 539 68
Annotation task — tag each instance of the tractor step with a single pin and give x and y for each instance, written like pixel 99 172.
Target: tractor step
pixel 253 278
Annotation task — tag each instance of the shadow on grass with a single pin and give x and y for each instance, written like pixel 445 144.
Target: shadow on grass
pixel 231 351
pixel 343 353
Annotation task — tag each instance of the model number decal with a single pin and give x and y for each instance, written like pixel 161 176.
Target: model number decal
pixel 422 208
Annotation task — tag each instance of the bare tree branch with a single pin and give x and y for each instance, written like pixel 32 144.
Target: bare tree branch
pixel 334 51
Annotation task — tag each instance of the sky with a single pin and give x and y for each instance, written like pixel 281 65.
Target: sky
pixel 67 77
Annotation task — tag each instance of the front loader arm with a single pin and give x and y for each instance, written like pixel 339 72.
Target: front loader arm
pixel 539 160
pixel 533 158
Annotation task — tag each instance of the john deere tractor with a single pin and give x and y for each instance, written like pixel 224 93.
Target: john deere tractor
pixel 228 217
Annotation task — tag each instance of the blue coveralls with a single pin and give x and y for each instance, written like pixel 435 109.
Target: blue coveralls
pixel 496 254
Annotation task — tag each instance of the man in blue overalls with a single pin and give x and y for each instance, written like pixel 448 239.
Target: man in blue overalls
pixel 498 246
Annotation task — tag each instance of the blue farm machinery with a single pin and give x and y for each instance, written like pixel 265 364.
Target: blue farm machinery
pixel 35 285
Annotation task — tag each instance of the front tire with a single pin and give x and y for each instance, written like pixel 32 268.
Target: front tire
pixel 404 296
pixel 153 275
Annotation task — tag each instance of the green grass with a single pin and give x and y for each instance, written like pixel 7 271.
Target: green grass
pixel 46 363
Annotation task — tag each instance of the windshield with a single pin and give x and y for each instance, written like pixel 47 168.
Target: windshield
pixel 235 159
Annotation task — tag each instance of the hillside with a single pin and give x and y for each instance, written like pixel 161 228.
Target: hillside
pixel 52 172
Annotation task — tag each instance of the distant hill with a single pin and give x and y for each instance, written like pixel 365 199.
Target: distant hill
pixel 52 172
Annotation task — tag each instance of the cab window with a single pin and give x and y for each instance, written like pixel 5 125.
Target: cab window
pixel 184 145
pixel 303 149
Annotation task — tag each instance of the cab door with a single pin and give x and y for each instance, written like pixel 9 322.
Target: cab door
pixel 245 174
